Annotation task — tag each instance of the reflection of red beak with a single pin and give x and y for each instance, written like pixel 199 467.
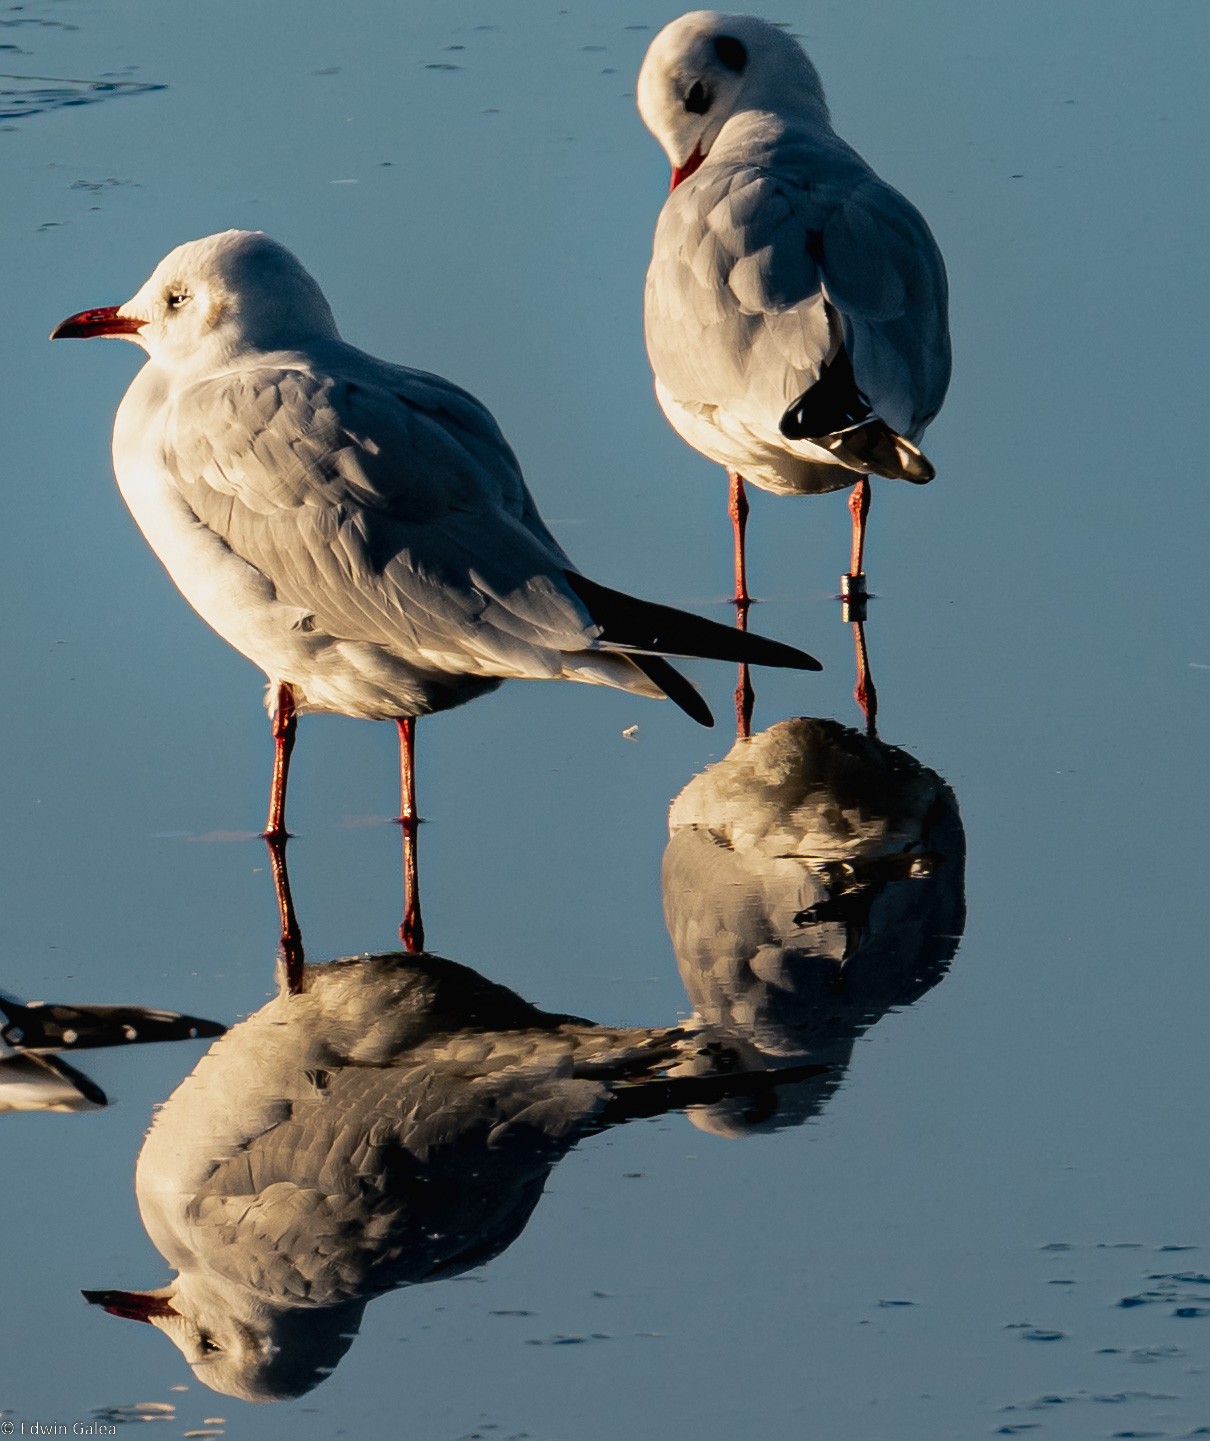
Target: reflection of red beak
pixel 682 172
pixel 105 321
pixel 132 1305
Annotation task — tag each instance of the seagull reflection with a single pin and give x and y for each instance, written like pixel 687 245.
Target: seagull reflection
pixel 391 1122
pixel 33 1074
pixel 814 880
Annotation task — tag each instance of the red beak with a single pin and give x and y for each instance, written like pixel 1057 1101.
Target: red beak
pixel 105 321
pixel 131 1305
pixel 682 172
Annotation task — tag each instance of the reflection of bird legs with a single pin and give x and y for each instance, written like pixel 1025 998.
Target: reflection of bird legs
pixel 745 697
pixel 863 692
pixel 291 935
pixel 411 929
pixel 285 727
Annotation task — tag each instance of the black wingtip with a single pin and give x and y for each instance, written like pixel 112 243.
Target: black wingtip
pixel 674 685
pixel 643 625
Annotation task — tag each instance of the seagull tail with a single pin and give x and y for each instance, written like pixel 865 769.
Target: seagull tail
pixel 875 449
pixel 657 630
pixel 835 414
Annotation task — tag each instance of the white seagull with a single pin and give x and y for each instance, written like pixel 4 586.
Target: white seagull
pixel 359 530
pixel 392 1124
pixel 814 879
pixel 796 305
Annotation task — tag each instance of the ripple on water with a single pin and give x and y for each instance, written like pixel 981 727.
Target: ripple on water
pixel 22 96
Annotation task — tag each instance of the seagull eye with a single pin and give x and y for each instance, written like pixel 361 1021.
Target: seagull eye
pixel 731 53
pixel 177 298
pixel 697 102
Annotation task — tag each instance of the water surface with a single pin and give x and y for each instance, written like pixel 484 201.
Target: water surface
pixel 995 1218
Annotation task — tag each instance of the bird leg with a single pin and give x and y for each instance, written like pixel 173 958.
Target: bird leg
pixel 863 692
pixel 411 929
pixel 859 509
pixel 737 508
pixel 292 957
pixel 285 725
pixel 745 697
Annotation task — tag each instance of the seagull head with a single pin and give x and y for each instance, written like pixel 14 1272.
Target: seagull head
pixel 706 67
pixel 238 1341
pixel 211 300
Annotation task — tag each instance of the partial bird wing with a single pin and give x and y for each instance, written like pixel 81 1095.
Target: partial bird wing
pixel 882 271
pixel 762 272
pixel 385 505
pixel 734 311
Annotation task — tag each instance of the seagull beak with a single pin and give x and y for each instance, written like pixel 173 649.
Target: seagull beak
pixel 131 1305
pixel 104 321
pixel 683 172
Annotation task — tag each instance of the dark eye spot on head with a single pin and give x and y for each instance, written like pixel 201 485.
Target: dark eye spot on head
pixel 697 102
pixel 731 52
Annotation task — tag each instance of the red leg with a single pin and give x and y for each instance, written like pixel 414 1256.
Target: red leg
pixel 859 508
pixel 864 693
pixel 738 510
pixel 745 697
pixel 291 935
pixel 411 929
pixel 285 724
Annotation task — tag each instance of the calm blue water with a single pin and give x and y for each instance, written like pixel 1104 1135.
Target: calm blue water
pixel 1015 1143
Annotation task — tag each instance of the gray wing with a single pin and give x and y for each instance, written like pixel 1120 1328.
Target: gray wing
pixel 881 269
pixel 385 503
pixel 734 310
pixel 393 1177
pixel 761 272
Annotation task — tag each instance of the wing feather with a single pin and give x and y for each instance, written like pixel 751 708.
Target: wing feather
pixel 755 264
pixel 388 508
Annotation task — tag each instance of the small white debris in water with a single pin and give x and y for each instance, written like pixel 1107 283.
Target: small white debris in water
pixel 631 733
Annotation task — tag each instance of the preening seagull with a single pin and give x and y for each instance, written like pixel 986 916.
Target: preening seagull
pixel 359 530
pixel 814 879
pixel 796 305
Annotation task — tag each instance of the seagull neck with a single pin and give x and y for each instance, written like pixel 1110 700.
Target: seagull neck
pixel 758 137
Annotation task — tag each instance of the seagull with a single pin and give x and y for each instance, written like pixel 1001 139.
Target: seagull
pixel 359 530
pixel 796 305
pixel 814 879
pixel 392 1124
